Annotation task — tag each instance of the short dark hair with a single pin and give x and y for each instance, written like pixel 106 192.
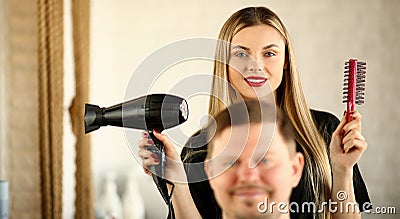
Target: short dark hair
pixel 257 112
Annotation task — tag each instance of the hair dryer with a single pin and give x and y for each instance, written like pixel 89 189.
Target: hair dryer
pixel 151 112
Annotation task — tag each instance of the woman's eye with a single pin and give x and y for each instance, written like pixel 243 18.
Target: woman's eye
pixel 269 54
pixel 241 54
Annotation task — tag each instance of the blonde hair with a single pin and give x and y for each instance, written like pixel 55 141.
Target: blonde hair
pixel 289 97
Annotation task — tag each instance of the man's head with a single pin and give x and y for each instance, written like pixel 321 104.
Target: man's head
pixel 242 170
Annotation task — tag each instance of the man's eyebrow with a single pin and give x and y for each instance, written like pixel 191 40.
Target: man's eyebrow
pixel 265 154
pixel 247 49
pixel 224 158
pixel 228 156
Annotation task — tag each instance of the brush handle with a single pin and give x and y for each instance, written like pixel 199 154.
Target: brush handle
pixel 351 89
pixel 354 85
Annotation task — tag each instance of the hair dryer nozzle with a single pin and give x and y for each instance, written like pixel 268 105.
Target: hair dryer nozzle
pixel 154 111
pixel 93 118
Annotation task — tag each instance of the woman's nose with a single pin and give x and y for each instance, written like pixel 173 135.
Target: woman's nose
pixel 254 66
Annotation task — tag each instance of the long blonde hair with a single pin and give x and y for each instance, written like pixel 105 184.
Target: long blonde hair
pixel 289 97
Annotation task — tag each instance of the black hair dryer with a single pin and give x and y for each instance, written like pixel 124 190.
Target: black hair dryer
pixel 151 112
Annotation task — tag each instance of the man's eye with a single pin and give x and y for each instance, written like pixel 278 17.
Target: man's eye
pixel 264 161
pixel 269 54
pixel 230 163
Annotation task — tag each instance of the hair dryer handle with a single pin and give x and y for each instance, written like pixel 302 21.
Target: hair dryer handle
pixel 159 170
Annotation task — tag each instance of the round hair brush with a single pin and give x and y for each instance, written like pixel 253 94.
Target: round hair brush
pixel 354 85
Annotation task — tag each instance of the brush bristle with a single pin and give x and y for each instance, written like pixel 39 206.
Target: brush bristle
pixel 346 82
pixel 360 83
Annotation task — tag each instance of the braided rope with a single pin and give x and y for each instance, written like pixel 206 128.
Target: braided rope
pixel 50 52
pixel 84 194
pixel 43 109
pixel 56 103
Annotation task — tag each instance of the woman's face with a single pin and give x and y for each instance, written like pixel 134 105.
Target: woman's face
pixel 257 60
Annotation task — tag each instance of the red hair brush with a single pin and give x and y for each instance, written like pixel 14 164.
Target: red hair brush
pixel 354 85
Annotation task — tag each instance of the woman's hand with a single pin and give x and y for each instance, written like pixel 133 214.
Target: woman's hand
pixel 184 206
pixel 346 148
pixel 347 144
pixel 174 168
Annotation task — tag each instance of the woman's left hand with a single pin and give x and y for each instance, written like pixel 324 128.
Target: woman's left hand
pixel 347 144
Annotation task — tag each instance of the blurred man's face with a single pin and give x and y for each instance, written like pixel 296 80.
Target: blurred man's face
pixel 240 188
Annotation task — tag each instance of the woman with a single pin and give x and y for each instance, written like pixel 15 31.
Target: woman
pixel 257 33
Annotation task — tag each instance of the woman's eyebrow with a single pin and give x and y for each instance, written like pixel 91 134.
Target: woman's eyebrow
pixel 240 47
pixel 270 46
pixel 247 49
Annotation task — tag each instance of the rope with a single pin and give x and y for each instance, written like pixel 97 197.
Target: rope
pixel 50 67
pixel 83 190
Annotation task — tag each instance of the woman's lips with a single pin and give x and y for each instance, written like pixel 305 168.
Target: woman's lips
pixel 255 81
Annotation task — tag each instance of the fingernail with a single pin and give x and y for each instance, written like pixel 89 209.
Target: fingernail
pixel 344 113
pixel 154 156
pixel 150 141
pixel 156 131
pixel 156 160
pixel 145 134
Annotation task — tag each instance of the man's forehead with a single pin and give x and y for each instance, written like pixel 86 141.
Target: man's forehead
pixel 232 140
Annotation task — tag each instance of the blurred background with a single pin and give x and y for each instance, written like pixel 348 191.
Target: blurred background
pixel 124 32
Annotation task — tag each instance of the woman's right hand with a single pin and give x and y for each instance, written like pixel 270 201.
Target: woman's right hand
pixel 174 167
pixel 148 158
pixel 184 206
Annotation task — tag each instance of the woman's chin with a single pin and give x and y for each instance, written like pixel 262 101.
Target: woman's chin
pixel 261 95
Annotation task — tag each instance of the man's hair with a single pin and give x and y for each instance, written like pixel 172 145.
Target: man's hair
pixel 251 112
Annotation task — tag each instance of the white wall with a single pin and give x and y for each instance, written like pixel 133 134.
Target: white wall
pixel 324 33
pixel 69 138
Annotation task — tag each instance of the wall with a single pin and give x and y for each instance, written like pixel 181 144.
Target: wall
pixel 324 33
pixel 69 138
pixel 19 136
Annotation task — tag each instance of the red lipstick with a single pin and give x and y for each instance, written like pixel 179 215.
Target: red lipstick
pixel 255 81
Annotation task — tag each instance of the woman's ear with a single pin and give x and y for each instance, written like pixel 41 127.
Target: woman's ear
pixel 297 166
pixel 286 63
